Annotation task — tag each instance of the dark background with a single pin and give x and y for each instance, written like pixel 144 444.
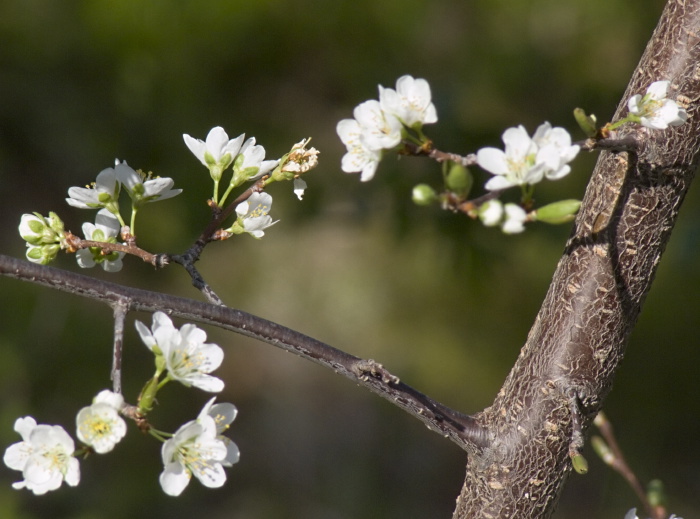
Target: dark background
pixel 443 302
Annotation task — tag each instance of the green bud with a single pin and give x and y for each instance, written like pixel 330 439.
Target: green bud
pixel 601 449
pixel 579 463
pixel 56 223
pixel 459 180
pixel 36 226
pixel 44 254
pixel 423 194
pixel 586 122
pixel 104 197
pixel 558 212
pixel 656 493
pixel 148 395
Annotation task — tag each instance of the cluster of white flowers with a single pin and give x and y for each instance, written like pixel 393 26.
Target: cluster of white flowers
pixel 380 125
pixel 527 160
pixel 47 457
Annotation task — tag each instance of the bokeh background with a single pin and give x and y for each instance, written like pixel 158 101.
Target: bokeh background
pixel 441 301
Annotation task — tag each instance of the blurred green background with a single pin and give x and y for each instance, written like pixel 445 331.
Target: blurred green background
pixel 442 302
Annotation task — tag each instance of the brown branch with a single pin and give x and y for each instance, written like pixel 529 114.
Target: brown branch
pixel 581 332
pixel 460 428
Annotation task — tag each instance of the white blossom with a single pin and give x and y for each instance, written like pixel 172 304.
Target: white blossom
pixel 410 102
pixel 217 152
pixel 105 229
pixel 528 160
pixel 188 359
pixel 100 425
pixel 143 190
pixel 515 219
pixel 555 150
pixel 223 414
pixel 655 110
pixel 253 214
pixel 380 130
pixel 45 457
pixel 103 192
pixel 359 158
pixel 253 160
pixel 198 449
pixel 491 213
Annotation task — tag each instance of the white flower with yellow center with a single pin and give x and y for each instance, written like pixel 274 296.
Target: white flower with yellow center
pixel 654 110
pixel 188 359
pixel 100 425
pixel 45 457
pixel 253 215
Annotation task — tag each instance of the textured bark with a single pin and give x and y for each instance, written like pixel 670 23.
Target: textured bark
pixel 566 368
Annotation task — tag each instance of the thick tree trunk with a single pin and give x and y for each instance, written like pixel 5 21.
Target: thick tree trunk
pixel 566 368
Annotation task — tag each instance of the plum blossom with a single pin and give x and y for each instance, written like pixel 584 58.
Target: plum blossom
pixel 100 425
pixel 528 160
pixel 143 189
pixel 491 213
pixel 251 161
pixel 515 219
pixel 410 102
pixel 103 193
pixel 253 215
pixel 105 229
pixel 217 152
pixel 359 158
pixel 187 358
pixel 380 130
pixel 198 449
pixel 45 457
pixel 654 110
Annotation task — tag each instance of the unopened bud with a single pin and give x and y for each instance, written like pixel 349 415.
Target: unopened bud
pixel 459 180
pixel 558 212
pixel 423 194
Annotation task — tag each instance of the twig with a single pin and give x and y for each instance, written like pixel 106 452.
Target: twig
pixel 619 464
pixel 462 429
pixel 120 308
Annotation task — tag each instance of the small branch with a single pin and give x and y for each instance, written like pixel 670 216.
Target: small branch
pixel 618 463
pixel 411 148
pixel 461 429
pixel 75 244
pixel 628 144
pixel 120 308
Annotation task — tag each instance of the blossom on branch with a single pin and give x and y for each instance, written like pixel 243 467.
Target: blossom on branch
pixel 100 425
pixel 253 215
pixel 45 457
pixel 527 160
pixel 381 125
pixel 105 229
pixel 187 358
pixel 143 189
pixel 654 110
pixel 103 193
pixel 410 102
pixel 197 449
pixel 217 152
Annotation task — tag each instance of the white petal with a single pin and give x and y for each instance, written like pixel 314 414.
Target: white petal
pixel 492 160
pixel 174 479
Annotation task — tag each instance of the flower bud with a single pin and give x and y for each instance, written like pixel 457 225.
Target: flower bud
pixel 44 254
pixel 580 464
pixel 459 180
pixel 586 122
pixel 558 212
pixel 423 194
pixel 36 230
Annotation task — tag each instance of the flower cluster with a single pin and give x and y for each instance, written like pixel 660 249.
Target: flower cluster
pixel 218 152
pixel 381 125
pixel 44 237
pixel 47 456
pixel 527 160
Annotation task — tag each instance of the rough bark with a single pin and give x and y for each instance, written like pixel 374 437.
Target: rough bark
pixel 566 368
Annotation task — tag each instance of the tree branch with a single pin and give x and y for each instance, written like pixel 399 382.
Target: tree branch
pixel 579 336
pixel 460 428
